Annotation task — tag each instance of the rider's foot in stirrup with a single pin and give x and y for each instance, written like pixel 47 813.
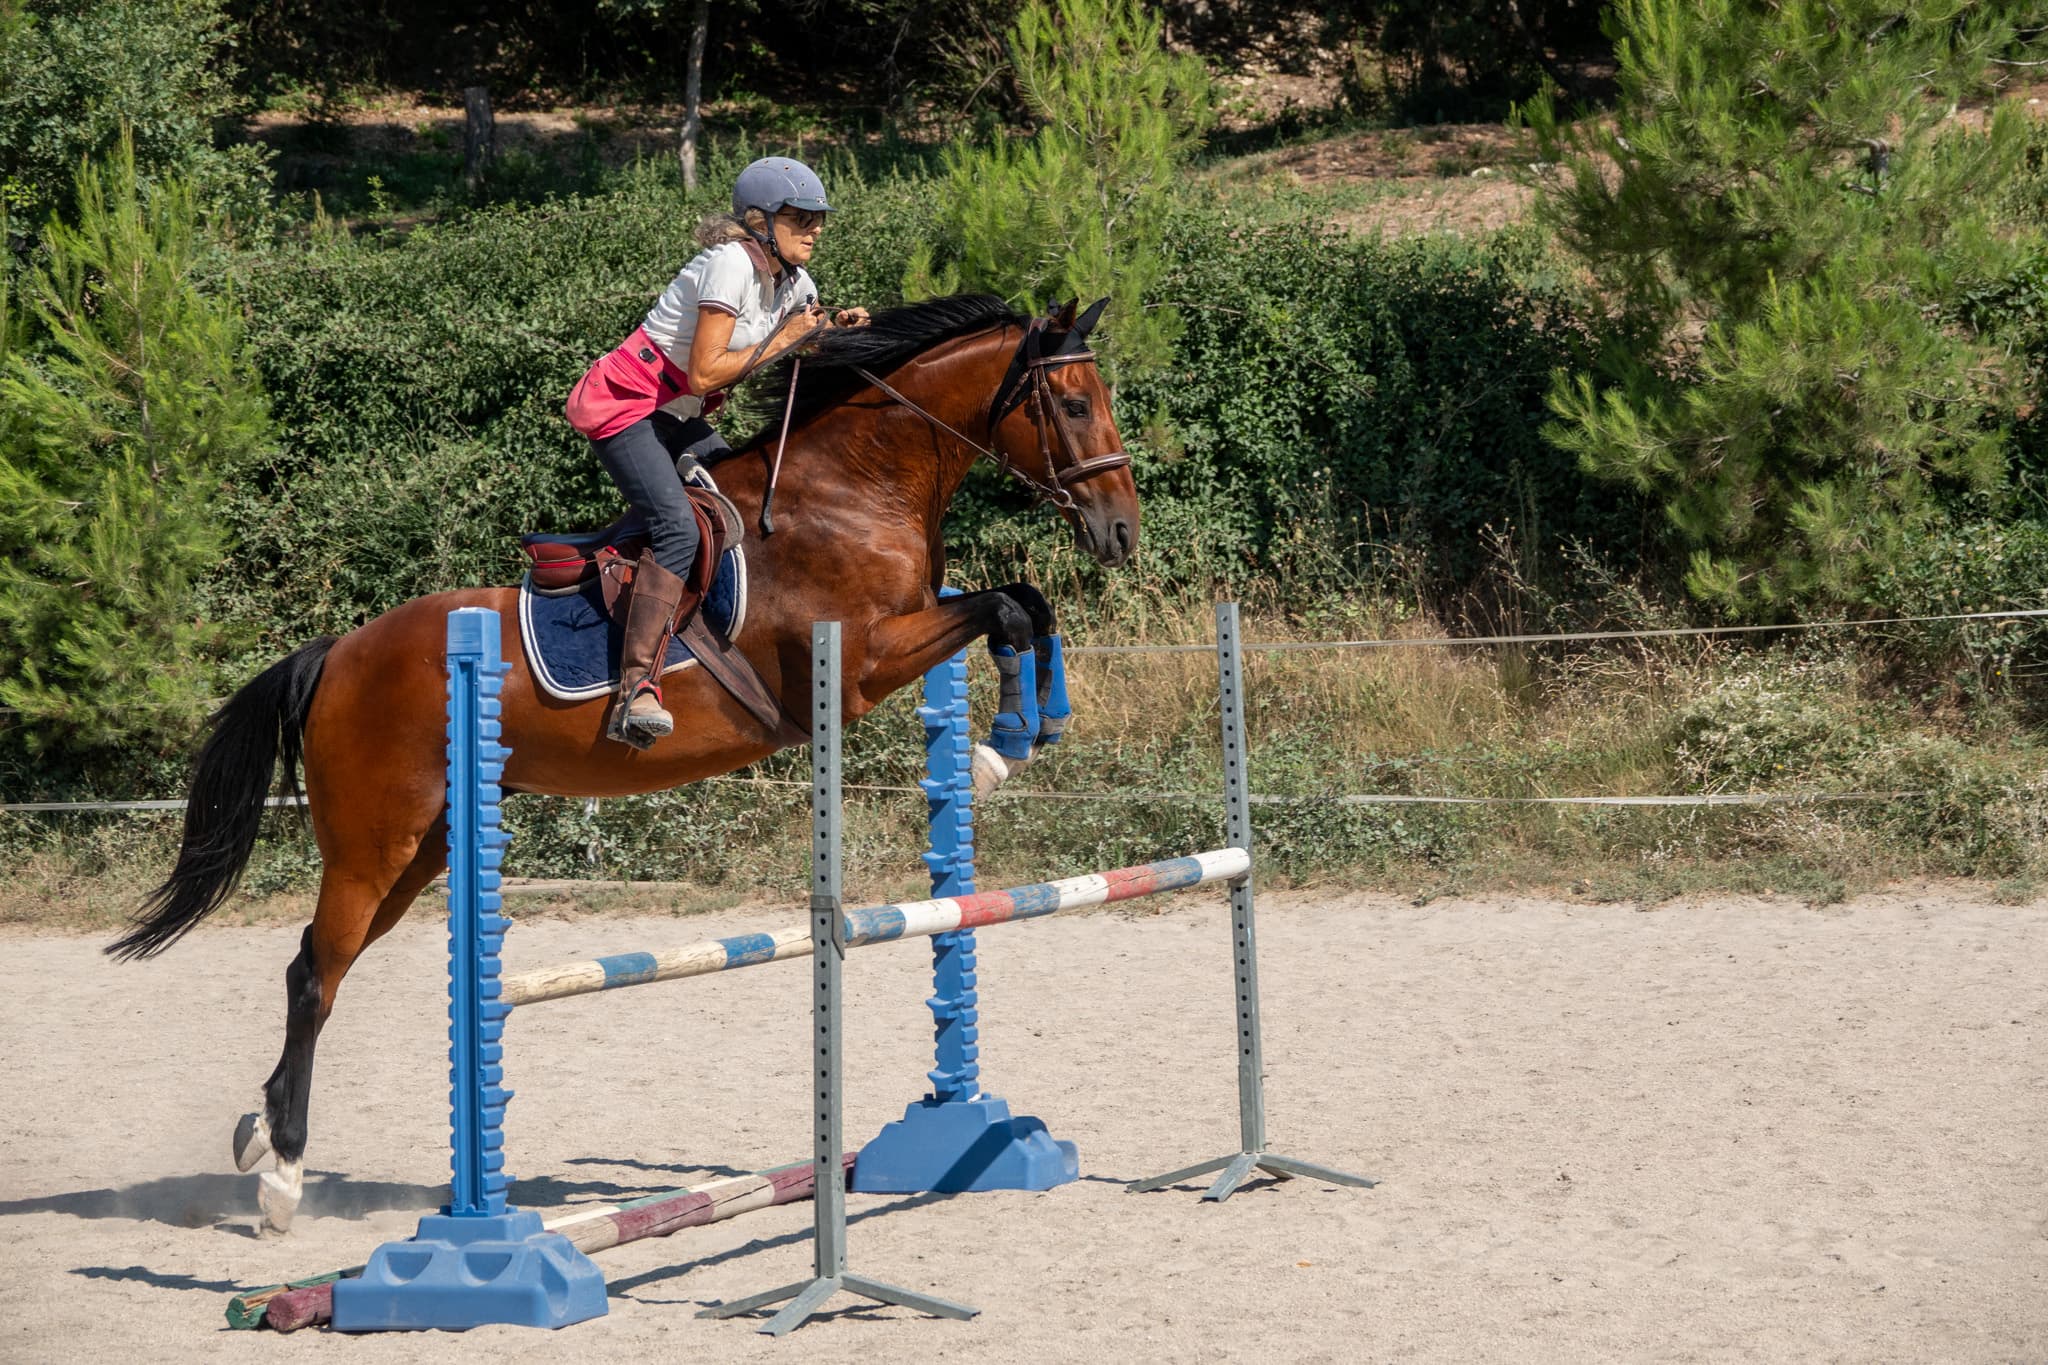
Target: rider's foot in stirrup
pixel 646 719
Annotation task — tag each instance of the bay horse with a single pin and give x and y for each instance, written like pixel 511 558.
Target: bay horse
pixel 884 423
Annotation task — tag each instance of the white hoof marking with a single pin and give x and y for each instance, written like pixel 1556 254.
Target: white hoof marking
pixel 278 1193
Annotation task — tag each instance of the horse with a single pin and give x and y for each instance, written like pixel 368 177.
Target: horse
pixel 882 426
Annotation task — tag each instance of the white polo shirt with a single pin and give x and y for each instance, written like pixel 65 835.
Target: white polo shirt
pixel 733 278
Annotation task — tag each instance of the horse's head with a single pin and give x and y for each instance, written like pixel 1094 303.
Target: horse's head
pixel 1051 424
pixel 1048 418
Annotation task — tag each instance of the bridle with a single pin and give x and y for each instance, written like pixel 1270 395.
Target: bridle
pixel 1028 379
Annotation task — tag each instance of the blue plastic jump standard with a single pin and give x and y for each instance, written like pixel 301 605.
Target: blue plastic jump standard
pixel 956 1138
pixel 478 1261
pixel 460 1272
pixel 953 1146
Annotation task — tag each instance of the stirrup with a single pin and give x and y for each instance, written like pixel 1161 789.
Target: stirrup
pixel 643 728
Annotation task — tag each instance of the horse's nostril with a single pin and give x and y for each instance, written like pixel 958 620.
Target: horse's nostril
pixel 1121 530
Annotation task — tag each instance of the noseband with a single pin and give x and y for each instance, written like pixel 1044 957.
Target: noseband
pixel 1028 378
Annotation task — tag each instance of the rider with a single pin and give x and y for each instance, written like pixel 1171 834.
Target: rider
pixel 740 302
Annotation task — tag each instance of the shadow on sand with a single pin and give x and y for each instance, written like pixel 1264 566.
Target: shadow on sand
pixel 197 1201
pixel 212 1199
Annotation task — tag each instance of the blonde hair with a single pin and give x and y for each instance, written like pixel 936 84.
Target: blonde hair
pixel 720 228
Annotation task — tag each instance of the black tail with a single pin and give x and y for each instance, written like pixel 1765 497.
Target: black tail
pixel 264 721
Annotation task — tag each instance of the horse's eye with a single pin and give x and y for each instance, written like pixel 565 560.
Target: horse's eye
pixel 1077 407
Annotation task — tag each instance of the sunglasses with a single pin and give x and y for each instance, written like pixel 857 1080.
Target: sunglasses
pixel 802 220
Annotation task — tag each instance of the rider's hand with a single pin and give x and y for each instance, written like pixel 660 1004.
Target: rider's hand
pixel 802 326
pixel 851 317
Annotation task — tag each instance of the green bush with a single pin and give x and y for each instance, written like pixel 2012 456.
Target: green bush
pixel 419 384
pixel 1769 726
pixel 73 73
pixel 1956 568
pixel 1970 812
pixel 1386 396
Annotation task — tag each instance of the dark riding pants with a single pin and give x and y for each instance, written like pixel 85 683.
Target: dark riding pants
pixel 642 461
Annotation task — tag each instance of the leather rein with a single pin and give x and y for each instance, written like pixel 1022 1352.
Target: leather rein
pixel 1028 374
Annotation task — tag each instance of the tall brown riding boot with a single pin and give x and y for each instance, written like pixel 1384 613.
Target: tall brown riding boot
pixel 637 717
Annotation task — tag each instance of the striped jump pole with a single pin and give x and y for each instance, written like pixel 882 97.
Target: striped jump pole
pixel 876 924
pixel 310 1302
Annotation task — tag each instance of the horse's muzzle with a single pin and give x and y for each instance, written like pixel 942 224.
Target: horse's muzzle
pixel 1111 539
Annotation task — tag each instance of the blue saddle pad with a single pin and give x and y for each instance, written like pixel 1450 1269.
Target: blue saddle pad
pixel 572 647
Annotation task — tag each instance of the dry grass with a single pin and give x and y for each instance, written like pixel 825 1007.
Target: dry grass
pixel 1427 719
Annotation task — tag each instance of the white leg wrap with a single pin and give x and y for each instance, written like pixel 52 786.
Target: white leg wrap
pixel 278 1193
pixel 252 1140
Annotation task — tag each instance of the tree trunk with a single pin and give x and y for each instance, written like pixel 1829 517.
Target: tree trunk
pixel 693 92
pixel 479 136
pixel 1566 79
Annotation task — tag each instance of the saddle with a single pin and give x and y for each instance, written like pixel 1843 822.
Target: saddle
pixel 561 564
pixel 558 565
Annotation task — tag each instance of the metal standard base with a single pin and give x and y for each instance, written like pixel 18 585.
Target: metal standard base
pixel 809 1296
pixel 828 1040
pixel 1238 1167
pixel 953 1147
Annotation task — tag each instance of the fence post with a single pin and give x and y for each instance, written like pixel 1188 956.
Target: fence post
pixel 1251 1155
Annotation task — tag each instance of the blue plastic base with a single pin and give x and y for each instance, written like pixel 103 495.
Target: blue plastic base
pixel 963 1145
pixel 467 1272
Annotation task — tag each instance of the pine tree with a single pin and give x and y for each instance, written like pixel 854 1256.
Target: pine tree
pixel 1077 209
pixel 1787 211
pixel 125 394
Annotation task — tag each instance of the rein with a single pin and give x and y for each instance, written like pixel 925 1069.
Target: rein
pixel 1033 367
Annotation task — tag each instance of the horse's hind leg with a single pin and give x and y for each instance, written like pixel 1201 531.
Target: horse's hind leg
pixel 351 915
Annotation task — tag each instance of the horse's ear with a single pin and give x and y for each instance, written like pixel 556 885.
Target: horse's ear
pixel 1086 322
pixel 1065 319
pixel 1074 341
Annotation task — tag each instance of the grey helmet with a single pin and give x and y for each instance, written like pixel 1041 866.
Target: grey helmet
pixel 776 182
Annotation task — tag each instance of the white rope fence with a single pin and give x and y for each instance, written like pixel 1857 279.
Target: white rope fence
pixel 1346 799
pixel 1564 637
pixel 1009 794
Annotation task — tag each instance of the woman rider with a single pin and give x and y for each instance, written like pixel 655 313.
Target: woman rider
pixel 742 301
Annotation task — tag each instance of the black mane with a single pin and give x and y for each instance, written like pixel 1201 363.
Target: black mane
pixel 894 336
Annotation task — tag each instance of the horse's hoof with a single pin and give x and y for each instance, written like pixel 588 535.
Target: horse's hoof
pixel 278 1193
pixel 989 769
pixel 252 1141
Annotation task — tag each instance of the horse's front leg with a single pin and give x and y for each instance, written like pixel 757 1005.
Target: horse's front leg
pixel 1050 663
pixel 901 649
pixel 1018 623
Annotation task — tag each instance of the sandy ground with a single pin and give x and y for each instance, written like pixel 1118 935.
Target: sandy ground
pixel 1742 1130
